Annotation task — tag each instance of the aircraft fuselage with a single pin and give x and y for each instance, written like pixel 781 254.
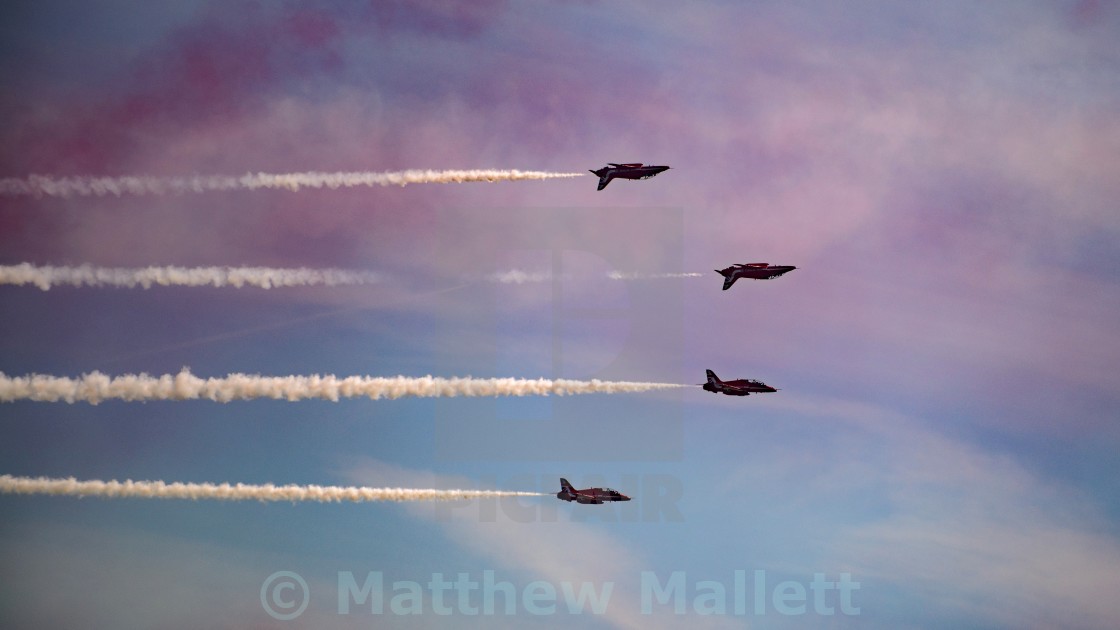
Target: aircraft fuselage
pixel 739 387
pixel 590 496
pixel 755 271
pixel 634 170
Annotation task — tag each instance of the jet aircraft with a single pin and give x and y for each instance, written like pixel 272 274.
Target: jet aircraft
pixel 635 170
pixel 741 387
pixel 594 496
pixel 757 271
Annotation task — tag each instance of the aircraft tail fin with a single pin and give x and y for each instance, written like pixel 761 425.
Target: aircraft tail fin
pixel 603 181
pixel 565 486
pixel 712 378
pixel 729 277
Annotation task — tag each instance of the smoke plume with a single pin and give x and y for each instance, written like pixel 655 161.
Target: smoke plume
pixel 263 277
pixel 86 186
pixel 517 276
pixel 235 492
pixel 95 387
pixel 624 275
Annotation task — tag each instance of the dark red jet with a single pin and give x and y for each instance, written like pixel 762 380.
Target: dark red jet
pixel 741 387
pixel 634 170
pixel 594 496
pixel 756 271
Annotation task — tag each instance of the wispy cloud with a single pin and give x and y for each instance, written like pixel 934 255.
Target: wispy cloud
pixel 973 532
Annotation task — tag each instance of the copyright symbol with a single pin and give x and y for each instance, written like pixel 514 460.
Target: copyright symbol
pixel 284 595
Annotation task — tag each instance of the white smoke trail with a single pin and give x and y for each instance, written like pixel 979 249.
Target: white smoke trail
pixel 263 277
pixel 96 387
pixel 624 275
pixel 235 492
pixel 517 276
pixel 86 186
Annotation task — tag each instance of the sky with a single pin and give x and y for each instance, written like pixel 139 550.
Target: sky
pixel 941 453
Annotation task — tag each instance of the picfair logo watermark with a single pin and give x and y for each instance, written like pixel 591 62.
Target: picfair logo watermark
pixel 574 307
